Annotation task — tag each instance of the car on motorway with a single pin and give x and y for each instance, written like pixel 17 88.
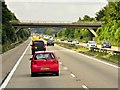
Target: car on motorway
pixel 91 44
pixel 69 40
pixel 106 44
pixel 75 42
pixel 44 62
pixel 50 42
pixel 38 45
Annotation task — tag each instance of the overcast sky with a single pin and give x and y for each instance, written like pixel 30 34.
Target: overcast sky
pixel 54 10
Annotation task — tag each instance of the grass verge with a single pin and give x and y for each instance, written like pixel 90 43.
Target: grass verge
pixel 100 55
pixel 7 47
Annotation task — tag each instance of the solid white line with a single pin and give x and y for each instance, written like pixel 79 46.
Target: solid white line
pixel 72 75
pixel 13 70
pixel 65 68
pixel 92 58
pixel 83 86
pixel 99 60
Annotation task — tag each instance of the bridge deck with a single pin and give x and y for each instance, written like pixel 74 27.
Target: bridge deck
pixel 85 25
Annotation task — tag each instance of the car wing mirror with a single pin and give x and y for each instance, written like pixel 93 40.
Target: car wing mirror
pixel 30 58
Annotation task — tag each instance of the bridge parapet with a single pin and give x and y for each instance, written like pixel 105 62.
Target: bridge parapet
pixel 92 25
pixel 34 21
pixel 60 22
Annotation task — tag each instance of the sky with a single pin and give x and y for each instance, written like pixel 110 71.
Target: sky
pixel 54 10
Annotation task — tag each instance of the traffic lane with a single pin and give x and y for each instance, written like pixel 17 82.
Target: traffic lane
pixel 10 58
pixel 22 78
pixel 113 48
pixel 93 73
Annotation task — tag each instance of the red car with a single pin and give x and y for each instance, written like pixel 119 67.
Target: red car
pixel 44 62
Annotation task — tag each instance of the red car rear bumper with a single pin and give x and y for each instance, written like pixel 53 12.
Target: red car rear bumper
pixel 38 69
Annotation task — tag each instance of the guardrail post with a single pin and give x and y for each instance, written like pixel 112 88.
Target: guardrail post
pixel 91 48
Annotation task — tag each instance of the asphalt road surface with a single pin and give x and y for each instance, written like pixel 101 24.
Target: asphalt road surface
pixel 10 58
pixel 76 71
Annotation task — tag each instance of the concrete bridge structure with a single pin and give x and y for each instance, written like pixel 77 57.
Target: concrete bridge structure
pixel 92 26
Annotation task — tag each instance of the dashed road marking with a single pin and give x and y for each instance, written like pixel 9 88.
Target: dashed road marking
pixel 65 68
pixel 85 87
pixel 72 75
pixel 60 62
pixel 59 71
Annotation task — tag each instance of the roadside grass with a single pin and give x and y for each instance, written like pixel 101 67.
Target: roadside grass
pixel 7 47
pixel 100 55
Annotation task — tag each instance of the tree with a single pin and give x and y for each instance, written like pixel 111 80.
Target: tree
pixel 100 14
pixel 88 18
pixel 110 29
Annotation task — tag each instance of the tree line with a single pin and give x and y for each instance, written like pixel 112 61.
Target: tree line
pixel 10 35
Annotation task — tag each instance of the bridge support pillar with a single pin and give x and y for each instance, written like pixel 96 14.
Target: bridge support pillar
pixel 93 32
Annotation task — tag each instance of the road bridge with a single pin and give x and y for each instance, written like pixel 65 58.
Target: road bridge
pixel 92 26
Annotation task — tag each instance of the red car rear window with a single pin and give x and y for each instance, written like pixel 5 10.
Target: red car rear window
pixel 40 56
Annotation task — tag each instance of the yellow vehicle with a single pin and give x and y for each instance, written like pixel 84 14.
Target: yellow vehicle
pixel 34 38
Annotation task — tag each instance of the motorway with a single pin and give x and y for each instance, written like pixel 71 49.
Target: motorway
pixel 76 71
pixel 113 48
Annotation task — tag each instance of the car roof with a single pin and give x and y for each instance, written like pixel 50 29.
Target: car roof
pixel 91 41
pixel 44 52
pixel 38 41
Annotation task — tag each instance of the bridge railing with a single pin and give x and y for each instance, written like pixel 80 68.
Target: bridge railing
pixel 35 21
pixel 31 21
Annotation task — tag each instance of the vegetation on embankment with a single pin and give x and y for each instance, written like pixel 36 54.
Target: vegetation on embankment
pixel 110 30
pixel 11 36
pixel 100 55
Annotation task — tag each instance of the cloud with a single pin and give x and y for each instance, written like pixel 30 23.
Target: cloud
pixel 37 11
pixel 63 1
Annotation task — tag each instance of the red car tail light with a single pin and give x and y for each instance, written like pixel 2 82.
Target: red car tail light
pixel 55 61
pixel 34 62
pixel 33 47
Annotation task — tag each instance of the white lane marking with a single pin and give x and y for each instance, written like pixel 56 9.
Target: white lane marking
pixel 65 68
pixel 72 75
pixel 99 60
pixel 85 87
pixel 92 58
pixel 60 62
pixel 59 71
pixel 13 70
